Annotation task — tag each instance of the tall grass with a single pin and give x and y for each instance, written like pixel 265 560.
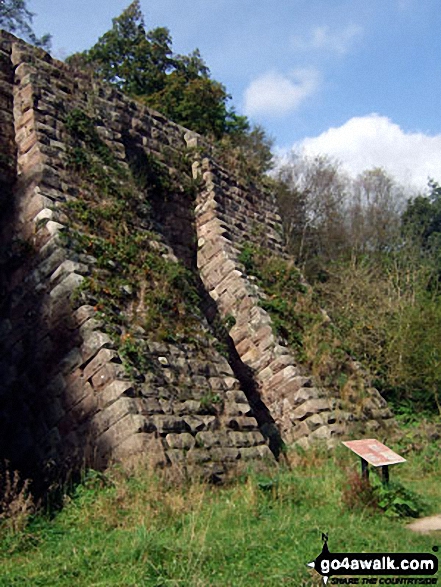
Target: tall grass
pixel 147 530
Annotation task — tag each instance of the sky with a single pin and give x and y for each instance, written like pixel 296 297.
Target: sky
pixel 357 80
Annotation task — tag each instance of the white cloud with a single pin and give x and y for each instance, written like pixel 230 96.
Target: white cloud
pixel 275 94
pixel 375 141
pixel 323 38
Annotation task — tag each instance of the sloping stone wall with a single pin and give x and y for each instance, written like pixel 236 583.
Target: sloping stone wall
pixel 300 410
pixel 7 142
pixel 66 399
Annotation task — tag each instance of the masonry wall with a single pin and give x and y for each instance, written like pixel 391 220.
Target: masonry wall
pixel 301 412
pixel 66 399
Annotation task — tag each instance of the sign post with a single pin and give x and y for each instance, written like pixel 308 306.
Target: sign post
pixel 375 453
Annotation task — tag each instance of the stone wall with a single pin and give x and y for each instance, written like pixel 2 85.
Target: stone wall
pixel 66 398
pixel 7 143
pixel 228 216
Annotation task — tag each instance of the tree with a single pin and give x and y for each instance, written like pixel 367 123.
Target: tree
pixel 311 198
pixel 16 18
pixel 373 211
pixel 142 64
pixel 128 57
pixel 421 219
pixel 421 231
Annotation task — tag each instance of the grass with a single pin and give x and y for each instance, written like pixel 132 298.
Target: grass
pixel 145 530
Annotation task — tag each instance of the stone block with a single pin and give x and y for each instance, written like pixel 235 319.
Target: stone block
pixel 237 396
pixel 120 431
pixel 94 342
pixel 315 421
pixel 224 454
pixel 108 373
pixel 183 441
pixel 256 453
pixel 114 391
pixel 146 447
pixel 84 409
pixel 187 407
pixel 83 313
pixel 235 409
pixel 241 423
pixel 197 456
pixel 104 356
pixel 299 430
pixel 309 408
pixel 71 361
pixel 77 389
pixel 244 439
pixel 68 267
pixel 321 433
pixel 114 412
pixel 306 393
pixel 201 422
pixel 66 287
pixel 209 439
pixel 167 424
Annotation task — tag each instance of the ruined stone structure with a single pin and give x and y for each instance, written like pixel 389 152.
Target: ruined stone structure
pixel 65 396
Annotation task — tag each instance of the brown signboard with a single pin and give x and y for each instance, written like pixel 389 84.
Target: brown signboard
pixel 374 452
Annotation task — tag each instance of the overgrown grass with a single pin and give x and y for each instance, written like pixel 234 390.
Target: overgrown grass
pixel 301 323
pixel 146 530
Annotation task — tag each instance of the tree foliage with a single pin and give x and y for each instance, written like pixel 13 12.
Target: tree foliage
pixel 16 18
pixel 328 215
pixel 375 262
pixel 142 63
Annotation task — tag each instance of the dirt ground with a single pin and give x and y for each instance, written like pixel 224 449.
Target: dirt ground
pixel 429 524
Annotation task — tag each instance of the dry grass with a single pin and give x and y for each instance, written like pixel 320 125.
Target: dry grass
pixel 16 501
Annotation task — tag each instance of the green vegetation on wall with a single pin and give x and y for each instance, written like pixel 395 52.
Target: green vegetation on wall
pixel 135 286
pixel 142 64
pixel 300 323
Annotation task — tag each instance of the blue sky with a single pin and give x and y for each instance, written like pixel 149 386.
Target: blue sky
pixel 359 80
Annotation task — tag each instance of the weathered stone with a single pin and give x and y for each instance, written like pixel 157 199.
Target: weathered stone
pixel 234 409
pixel 241 423
pixel 240 439
pixel 223 455
pixel 104 419
pixel 108 373
pixel 170 404
pixel 104 356
pixel 71 361
pixel 94 342
pixel 314 421
pixel 210 439
pixel 114 391
pixel 145 447
pixel 166 424
pixel 200 422
pixel 237 396
pixel 309 408
pixel 183 441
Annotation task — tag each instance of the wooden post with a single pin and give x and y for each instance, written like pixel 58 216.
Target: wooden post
pixel 364 469
pixel 385 474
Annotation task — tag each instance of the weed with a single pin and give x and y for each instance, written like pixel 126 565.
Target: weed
pixel 16 501
pixel 300 323
pixel 133 286
pixel 156 529
pixel 210 402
